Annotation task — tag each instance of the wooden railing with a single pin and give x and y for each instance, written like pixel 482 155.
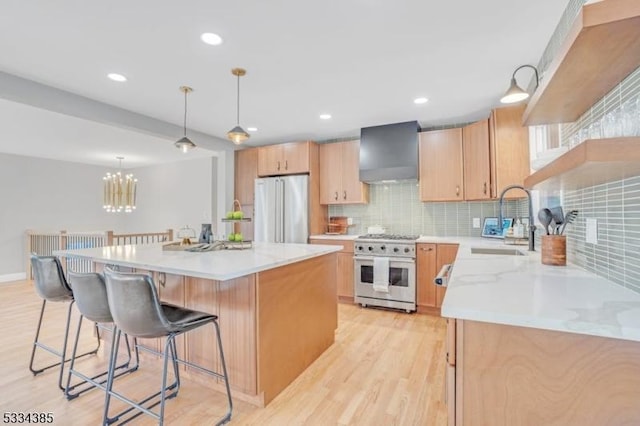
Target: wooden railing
pixel 45 243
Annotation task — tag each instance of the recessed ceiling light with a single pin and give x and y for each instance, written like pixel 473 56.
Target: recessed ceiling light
pixel 117 77
pixel 252 129
pixel 325 116
pixel 211 38
pixel 420 101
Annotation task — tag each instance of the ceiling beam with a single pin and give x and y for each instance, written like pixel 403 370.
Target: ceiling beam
pixel 29 92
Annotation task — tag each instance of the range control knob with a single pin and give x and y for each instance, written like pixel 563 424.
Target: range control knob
pixel 370 248
pixel 360 248
pixel 406 249
pixel 382 248
pixel 396 249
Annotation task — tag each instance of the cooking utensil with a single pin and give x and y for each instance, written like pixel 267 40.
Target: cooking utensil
pixel 558 219
pixel 545 217
pixel 569 218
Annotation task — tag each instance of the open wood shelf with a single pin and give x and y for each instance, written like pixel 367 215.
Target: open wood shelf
pixel 600 50
pixel 593 162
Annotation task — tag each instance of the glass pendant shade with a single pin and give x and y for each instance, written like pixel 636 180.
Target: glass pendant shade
pixel 185 144
pixel 119 191
pixel 237 135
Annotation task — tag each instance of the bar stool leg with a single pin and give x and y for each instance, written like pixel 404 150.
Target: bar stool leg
pixel 62 355
pixel 92 381
pixel 227 417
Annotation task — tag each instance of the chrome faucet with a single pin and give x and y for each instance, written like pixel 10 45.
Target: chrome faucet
pixel 532 227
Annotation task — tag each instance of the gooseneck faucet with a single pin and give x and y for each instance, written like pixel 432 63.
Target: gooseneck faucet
pixel 532 227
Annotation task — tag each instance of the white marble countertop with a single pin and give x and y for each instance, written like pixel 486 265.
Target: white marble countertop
pixel 344 237
pixel 216 265
pixel 521 291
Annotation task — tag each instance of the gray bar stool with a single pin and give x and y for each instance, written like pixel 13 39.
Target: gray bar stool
pixel 90 295
pixel 51 285
pixel 138 312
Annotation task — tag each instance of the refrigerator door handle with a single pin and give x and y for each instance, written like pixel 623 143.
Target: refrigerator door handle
pixel 282 210
pixel 278 215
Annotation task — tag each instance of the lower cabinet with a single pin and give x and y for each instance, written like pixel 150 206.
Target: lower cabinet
pixel 509 375
pixel 430 259
pixel 345 272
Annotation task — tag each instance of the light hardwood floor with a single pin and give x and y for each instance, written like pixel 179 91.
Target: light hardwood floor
pixel 385 368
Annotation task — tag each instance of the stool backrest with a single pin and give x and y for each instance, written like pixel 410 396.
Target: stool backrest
pixel 50 282
pixel 134 303
pixel 90 294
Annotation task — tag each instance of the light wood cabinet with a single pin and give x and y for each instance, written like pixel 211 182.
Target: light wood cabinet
pixel 345 268
pixel 425 273
pixel 430 258
pixel 509 143
pixel 340 174
pixel 529 376
pixel 284 159
pixel 441 169
pixel 246 172
pixel 477 161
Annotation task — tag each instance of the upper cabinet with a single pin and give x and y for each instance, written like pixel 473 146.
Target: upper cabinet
pixel 283 159
pixel 477 161
pixel 601 49
pixel 441 170
pixel 339 174
pixel 246 171
pixel 509 143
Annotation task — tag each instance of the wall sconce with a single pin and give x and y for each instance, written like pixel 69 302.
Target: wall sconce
pixel 515 93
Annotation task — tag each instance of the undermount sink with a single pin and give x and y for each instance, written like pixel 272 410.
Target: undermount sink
pixel 497 250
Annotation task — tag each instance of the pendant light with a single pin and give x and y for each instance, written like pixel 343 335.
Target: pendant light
pixel 185 144
pixel 515 93
pixel 237 135
pixel 119 192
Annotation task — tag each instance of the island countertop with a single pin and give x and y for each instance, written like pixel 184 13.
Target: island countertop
pixel 218 265
pixel 521 291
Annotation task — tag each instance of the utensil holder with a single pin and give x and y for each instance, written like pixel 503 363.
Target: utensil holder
pixel 554 250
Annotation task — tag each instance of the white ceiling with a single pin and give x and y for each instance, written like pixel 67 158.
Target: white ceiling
pixel 363 61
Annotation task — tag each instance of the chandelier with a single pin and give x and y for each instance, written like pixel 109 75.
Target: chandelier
pixel 119 191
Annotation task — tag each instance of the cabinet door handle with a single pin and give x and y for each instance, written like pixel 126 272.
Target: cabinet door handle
pixel 286 164
pixel 278 165
pixel 344 195
pixel 457 190
pixel 336 197
pixel 162 279
pixel 426 249
pixel 485 188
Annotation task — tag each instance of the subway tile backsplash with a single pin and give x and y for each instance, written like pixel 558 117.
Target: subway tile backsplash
pixel 616 208
pixel 397 207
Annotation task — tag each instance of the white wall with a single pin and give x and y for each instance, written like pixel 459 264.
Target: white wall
pixel 54 195
pixel 46 195
pixel 172 196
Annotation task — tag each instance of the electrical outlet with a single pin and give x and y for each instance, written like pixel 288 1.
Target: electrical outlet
pixel 476 222
pixel 592 230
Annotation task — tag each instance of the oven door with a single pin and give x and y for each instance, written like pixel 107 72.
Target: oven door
pixel 402 279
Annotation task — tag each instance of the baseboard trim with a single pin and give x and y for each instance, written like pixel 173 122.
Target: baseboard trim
pixel 20 276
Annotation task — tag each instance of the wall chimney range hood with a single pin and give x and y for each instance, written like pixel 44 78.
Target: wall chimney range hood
pixel 389 152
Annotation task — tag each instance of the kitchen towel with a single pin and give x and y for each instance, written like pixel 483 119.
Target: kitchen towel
pixel 381 274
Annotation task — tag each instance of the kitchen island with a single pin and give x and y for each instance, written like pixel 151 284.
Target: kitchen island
pixel 276 303
pixel 532 344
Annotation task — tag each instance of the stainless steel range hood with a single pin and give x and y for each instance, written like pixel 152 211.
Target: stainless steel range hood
pixel 389 152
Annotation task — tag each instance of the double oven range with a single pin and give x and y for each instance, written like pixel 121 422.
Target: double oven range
pixel 401 252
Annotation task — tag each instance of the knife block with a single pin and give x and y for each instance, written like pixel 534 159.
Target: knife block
pixel 554 250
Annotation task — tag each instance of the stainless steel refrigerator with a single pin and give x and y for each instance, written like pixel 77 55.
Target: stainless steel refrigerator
pixel 282 209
